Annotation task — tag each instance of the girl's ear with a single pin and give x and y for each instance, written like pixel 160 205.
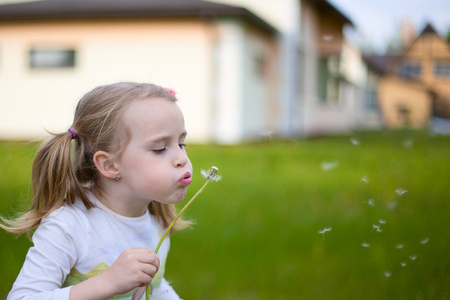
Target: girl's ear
pixel 103 163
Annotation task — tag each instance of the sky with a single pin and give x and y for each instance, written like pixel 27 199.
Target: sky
pixel 376 21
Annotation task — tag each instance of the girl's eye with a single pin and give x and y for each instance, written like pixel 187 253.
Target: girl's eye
pixel 182 145
pixel 159 151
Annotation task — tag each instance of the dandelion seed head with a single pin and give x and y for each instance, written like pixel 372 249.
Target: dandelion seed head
pixel 403 264
pixel 365 179
pixel 387 274
pixel 366 245
pixel 399 246
pixel 424 241
pixel 211 174
pixel 381 221
pixel 413 257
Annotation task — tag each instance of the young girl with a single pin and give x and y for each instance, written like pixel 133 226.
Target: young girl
pixel 101 205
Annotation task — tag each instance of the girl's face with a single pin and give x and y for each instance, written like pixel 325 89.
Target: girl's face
pixel 154 165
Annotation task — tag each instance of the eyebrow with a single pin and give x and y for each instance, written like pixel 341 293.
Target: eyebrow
pixel 165 137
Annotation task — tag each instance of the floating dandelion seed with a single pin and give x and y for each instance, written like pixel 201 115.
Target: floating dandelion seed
pixel 424 241
pixel 392 205
pixel 403 264
pixel 370 202
pixel 408 143
pixel 376 227
pixel 399 246
pixel 354 141
pixel 327 166
pixel 381 221
pixel 327 37
pixel 365 245
pixel 323 231
pixel 365 179
pixel 400 191
pixel 387 274
pixel 413 257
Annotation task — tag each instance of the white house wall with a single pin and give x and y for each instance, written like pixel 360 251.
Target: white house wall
pixel 228 87
pixel 172 54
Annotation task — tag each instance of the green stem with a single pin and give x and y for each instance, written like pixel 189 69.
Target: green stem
pixel 147 291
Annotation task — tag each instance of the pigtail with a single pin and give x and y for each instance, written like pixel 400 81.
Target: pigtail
pixel 54 184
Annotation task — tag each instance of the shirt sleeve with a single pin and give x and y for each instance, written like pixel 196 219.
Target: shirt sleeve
pixel 48 262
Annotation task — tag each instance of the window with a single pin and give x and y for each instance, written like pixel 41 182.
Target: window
pixel 442 69
pixel 51 58
pixel 329 79
pixel 410 70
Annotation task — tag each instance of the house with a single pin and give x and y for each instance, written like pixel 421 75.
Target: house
pixel 334 74
pixel 220 59
pixel 283 68
pixel 325 84
pixel 415 85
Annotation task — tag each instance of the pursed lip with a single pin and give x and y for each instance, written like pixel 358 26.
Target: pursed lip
pixel 186 179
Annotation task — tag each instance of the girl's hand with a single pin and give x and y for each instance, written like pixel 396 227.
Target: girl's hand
pixel 134 268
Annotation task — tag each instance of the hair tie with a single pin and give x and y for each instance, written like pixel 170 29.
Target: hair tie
pixel 74 135
pixel 170 90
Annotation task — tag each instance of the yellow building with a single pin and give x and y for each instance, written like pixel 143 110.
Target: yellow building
pixel 416 85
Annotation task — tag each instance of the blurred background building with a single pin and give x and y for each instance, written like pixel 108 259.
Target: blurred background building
pixel 243 71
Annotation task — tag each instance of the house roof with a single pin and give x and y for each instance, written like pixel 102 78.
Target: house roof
pixel 325 6
pixel 72 9
pixel 378 63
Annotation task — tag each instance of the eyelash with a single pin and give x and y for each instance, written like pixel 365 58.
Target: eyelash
pixel 160 151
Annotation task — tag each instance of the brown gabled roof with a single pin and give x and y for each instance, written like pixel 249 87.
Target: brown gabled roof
pixel 325 6
pixel 64 9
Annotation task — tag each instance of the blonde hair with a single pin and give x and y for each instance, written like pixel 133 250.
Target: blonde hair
pixel 60 177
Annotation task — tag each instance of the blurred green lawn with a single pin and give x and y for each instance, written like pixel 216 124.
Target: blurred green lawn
pixel 385 196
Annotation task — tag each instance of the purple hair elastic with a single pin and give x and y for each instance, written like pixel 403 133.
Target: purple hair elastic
pixel 74 135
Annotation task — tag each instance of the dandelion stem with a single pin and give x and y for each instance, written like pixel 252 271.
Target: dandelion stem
pixel 178 216
pixel 212 176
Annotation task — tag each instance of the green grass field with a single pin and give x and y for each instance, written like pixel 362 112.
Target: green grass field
pixel 385 196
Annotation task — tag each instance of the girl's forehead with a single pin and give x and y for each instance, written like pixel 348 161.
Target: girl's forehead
pixel 152 115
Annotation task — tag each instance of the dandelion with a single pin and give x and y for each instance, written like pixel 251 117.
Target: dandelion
pixel 399 246
pixel 424 241
pixel 322 232
pixel 327 166
pixel 413 257
pixel 400 191
pixel 387 274
pixel 403 264
pixel 365 179
pixel 365 245
pixel 210 175
pixel 354 141
pixel 381 221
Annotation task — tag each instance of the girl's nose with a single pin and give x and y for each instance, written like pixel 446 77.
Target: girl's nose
pixel 181 158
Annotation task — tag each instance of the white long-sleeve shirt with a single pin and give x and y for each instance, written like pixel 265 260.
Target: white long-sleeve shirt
pixel 75 243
